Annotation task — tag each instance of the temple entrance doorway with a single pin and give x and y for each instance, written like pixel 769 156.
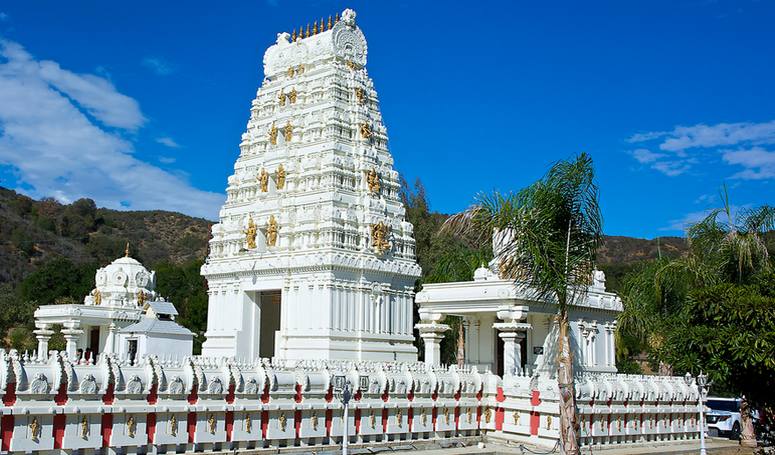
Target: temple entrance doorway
pixel 270 303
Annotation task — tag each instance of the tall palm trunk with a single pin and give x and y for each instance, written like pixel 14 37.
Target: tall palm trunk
pixel 568 429
pixel 747 433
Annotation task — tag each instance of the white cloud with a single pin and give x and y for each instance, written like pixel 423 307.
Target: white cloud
pixel 167 159
pixel 168 141
pixel 681 224
pixel 159 65
pixel 686 146
pixel 56 149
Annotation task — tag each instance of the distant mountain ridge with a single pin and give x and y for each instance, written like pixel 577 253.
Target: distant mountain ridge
pixel 32 232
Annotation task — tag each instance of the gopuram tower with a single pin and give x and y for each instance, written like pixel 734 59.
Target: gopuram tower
pixel 312 257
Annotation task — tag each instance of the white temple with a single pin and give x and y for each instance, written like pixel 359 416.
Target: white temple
pixel 310 280
pixel 312 257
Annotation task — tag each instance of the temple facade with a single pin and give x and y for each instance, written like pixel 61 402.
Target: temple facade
pixel 312 256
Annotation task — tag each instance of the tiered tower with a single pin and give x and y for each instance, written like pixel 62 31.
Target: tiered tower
pixel 312 257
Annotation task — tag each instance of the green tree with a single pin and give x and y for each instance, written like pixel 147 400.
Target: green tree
pixel 187 290
pixel 551 232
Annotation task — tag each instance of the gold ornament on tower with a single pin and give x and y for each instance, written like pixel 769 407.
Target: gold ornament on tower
pixel 548 422
pixel 97 297
pixel 250 233
pixel 280 177
pixel 292 96
pixel 372 179
pixel 211 423
pixel 85 428
pixel 281 98
pixel 271 231
pixel 306 35
pixel 247 424
pixel 173 431
pixel 365 130
pixel 315 28
pixel 34 429
pixel 351 65
pixel 379 237
pixel 293 35
pixel 273 135
pixel 329 22
pixel 360 95
pixel 141 299
pixel 300 69
pixel 288 132
pixel 290 72
pixel 263 180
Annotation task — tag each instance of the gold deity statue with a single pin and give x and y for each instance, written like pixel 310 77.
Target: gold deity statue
pixel 97 297
pixel 131 426
pixel 516 418
pixel 399 418
pixel 300 69
pixel 280 177
pixel 85 428
pixel 372 179
pixel 314 420
pixel 360 95
pixel 288 132
pixel 446 415
pixel 173 429
pixel 263 180
pixel 373 421
pixel 250 233
pixel 271 231
pixel 141 298
pixel 379 237
pixel 469 415
pixel 248 423
pixel 365 131
pixel 292 96
pixel 34 429
pixel 290 71
pixel 548 422
pixel 211 423
pixel 487 414
pixel 283 422
pixel 351 65
pixel 281 98
pixel 273 135
pixel 424 417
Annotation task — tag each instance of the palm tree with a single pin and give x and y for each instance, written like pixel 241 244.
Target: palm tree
pixel 552 230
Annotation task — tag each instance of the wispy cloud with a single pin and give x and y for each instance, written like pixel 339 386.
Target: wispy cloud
pixel 159 66
pixel 3 16
pixel 168 141
pixel 679 150
pixel 166 159
pixel 63 135
pixel 681 224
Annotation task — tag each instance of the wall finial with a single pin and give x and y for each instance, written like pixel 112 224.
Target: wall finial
pixel 126 250
pixel 293 35
pixel 329 22
pixel 314 28
pixel 306 35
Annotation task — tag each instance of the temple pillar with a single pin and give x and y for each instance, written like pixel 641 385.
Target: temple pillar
pixel 72 334
pixel 431 332
pixel 43 334
pixel 110 341
pixel 512 332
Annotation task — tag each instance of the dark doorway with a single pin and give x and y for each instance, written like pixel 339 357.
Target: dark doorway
pixel 270 322
pixel 94 340
pixel 498 355
pixel 132 351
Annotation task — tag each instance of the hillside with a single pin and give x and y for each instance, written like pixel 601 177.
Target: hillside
pixel 34 232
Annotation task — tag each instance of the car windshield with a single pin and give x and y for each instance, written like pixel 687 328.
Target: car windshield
pixel 723 405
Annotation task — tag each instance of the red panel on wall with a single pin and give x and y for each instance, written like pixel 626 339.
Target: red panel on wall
pixel 6 430
pixel 229 424
pixel 107 429
pixel 59 430
pixel 9 398
pixel 151 427
pixel 191 424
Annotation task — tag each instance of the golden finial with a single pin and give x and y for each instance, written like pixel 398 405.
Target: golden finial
pixel 293 35
pixel 329 22
pixel 314 28
pixel 306 35
pixel 337 18
pixel 322 25
pixel 126 250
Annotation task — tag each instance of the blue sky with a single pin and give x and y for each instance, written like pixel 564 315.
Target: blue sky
pixel 141 105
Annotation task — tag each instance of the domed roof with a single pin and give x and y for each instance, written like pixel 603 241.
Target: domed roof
pixel 123 282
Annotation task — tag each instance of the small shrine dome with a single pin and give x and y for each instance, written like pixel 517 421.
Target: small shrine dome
pixel 123 282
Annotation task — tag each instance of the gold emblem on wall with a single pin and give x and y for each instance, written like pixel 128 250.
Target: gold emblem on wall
pixel 34 429
pixel 291 70
pixel 97 297
pixel 446 415
pixel 283 422
pixel 288 132
pixel 365 131
pixel 373 181
pixel 271 231
pixel 250 234
pixel 263 180
pixel 273 134
pixel 548 422
pixel 379 237
pixel 280 177
pixel 469 415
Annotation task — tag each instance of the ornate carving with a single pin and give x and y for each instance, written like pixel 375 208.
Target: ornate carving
pixel 251 387
pixel 292 96
pixel 373 181
pixel 141 298
pixel 446 415
pixel 273 134
pixel 263 180
pixel 283 422
pixel 291 70
pixel 487 414
pixel 469 415
pixel 271 231
pixel 280 177
pixel 134 385
pixel 88 384
pixel 176 386
pixel 131 426
pixel 372 420
pixel 399 418
pixel 360 95
pixel 247 423
pixel 379 237
pixel 85 427
pixel 39 385
pixel 250 233
pixel 215 387
pixel 365 130
pixel 281 98
pixel 548 422
pixel 173 426
pixel 35 428
pixel 515 416
pixel 97 296
pixel 288 132
pixel 211 423
pixel 314 420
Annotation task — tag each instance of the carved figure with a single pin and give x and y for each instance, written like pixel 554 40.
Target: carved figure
pixel 131 426
pixel 211 423
pixel 280 177
pixel 372 421
pixel 314 420
pixel 366 131
pixel 85 427
pixel 300 69
pixel 288 132
pixel 97 297
pixel 487 414
pixel 291 70
pixel 250 233
pixel 273 135
pixel 446 415
pixel 399 417
pixel 423 418
pixel 548 422
pixel 379 237
pixel 141 298
pixel 281 98
pixel 248 424
pixel 263 180
pixel 516 418
pixel 34 429
pixel 173 430
pixel 292 96
pixel 360 95
pixel 271 231
pixel 283 422
pixel 373 181
pixel 469 415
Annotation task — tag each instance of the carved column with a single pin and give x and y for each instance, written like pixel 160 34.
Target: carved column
pixel 512 332
pixel 432 332
pixel 43 334
pixel 110 341
pixel 72 334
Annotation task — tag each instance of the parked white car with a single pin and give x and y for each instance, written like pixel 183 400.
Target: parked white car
pixel 723 416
